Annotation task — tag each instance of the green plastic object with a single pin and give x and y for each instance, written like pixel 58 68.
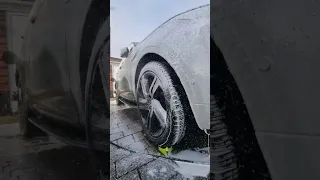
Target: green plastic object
pixel 165 151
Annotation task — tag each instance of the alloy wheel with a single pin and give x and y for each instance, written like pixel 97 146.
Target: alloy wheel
pixel 152 104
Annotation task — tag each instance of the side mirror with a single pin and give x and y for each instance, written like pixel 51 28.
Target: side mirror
pixel 124 52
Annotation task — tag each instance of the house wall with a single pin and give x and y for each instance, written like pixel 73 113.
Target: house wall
pixel 3 47
pixel 16 25
pixel 111 84
pixel 7 37
pixel 114 66
pixel 4 94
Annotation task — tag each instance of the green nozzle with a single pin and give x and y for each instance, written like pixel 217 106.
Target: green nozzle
pixel 165 151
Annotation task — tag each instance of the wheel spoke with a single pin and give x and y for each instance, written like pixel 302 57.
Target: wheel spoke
pixel 154 85
pixel 143 104
pixel 160 112
pixel 149 118
pixel 143 84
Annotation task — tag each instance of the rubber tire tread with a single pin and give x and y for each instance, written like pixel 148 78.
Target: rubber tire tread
pixel 223 159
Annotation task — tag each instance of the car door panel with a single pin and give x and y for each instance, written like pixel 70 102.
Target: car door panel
pixel 49 89
pixel 77 12
pixel 123 83
pixel 126 86
pixel 131 78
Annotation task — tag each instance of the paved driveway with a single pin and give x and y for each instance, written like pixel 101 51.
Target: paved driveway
pixel 45 158
pixel 41 158
pixel 133 156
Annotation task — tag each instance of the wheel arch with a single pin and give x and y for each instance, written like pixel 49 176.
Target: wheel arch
pixel 97 14
pixel 236 115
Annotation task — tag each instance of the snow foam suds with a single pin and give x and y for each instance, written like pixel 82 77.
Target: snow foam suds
pixel 152 172
pixel 189 170
pixel 163 169
pixel 200 155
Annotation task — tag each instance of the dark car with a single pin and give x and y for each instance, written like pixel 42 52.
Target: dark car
pixel 265 89
pixel 62 73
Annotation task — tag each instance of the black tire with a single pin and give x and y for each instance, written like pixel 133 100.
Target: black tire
pixel 224 163
pixel 118 102
pixel 235 152
pixel 97 95
pixel 27 129
pixel 165 95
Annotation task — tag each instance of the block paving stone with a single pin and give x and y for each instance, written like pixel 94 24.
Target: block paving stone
pixel 137 164
pixel 116 136
pixel 125 141
pixel 45 158
pixel 117 153
pixel 138 136
pixel 132 162
pixel 133 175
pixel 157 170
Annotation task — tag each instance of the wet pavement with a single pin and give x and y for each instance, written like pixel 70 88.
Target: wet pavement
pixel 132 156
pixel 128 165
pixel 40 158
pixel 45 158
pixel 126 130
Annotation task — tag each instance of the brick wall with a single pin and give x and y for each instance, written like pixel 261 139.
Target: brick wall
pixel 111 84
pixel 4 95
pixel 3 47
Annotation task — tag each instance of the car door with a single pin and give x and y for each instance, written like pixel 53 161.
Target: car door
pixel 49 87
pixel 132 54
pixel 126 84
pixel 122 80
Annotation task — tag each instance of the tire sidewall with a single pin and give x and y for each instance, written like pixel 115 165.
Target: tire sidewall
pixel 101 41
pixel 93 62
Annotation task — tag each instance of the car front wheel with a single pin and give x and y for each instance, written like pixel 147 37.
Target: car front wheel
pixel 160 106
